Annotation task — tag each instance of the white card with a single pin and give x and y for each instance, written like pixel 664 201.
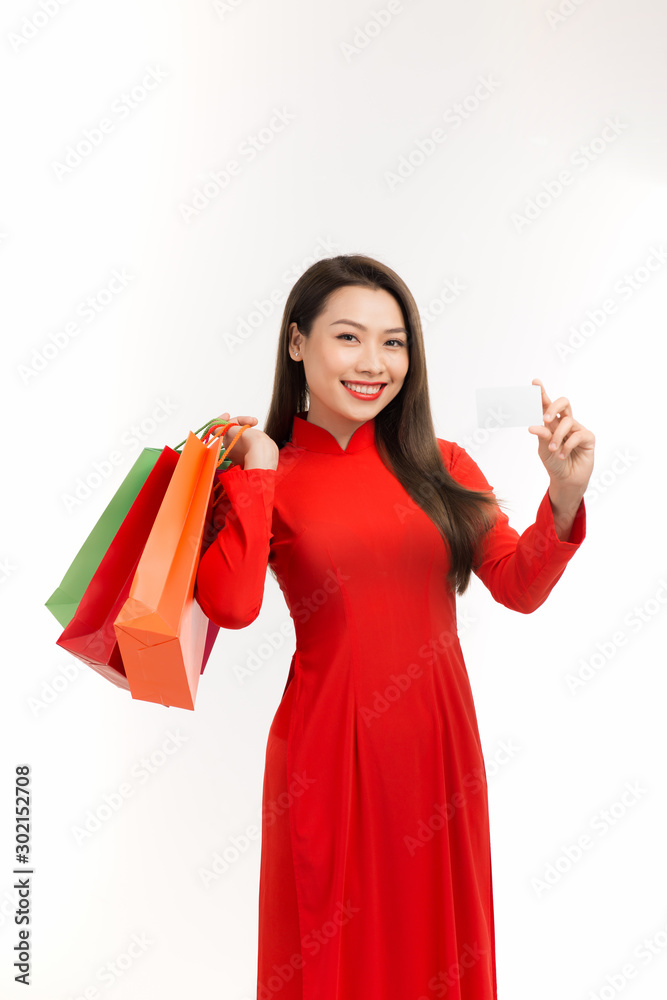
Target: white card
pixel 509 406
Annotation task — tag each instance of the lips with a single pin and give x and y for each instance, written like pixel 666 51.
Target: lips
pixel 365 395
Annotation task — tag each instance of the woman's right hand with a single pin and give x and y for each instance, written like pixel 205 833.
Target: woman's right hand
pixel 254 449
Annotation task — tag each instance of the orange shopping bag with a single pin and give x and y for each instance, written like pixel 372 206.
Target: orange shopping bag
pixel 161 630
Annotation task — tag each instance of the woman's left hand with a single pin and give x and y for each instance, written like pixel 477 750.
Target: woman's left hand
pixel 571 473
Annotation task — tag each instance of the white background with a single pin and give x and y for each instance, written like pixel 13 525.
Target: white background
pixel 360 100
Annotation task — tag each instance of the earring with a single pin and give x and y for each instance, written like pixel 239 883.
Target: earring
pixel 296 353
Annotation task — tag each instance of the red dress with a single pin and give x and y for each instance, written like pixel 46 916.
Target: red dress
pixel 375 877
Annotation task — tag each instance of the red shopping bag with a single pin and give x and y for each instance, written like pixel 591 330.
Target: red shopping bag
pixel 90 634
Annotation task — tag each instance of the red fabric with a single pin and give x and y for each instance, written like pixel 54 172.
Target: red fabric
pixel 375 878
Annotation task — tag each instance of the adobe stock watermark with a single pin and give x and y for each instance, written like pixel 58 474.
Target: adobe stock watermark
pixel 601 482
pixel 8 906
pixel 219 180
pixel 367 32
pixel 311 944
pixel 116 968
pixel 32 24
pixel 474 781
pixel 93 137
pixel 635 620
pixel 600 824
pixel 7 569
pixel 624 289
pixel 309 605
pixel 581 159
pixel 450 291
pixel 141 772
pixel 239 845
pixel 258 657
pixel 562 13
pixel 89 309
pixel 132 441
pixel 496 417
pixel 50 690
pixel 224 7
pixel 423 149
pixel 236 846
pixel 399 683
pixel 650 947
pixel 249 323
pixel 444 979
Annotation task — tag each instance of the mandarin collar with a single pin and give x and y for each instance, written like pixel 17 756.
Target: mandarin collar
pixel 312 437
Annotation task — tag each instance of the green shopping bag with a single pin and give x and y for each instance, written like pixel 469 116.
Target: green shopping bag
pixel 65 599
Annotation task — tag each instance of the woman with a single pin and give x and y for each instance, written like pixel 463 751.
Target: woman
pixel 375 878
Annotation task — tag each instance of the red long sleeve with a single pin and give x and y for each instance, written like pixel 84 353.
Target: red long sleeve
pixel 232 571
pixel 520 570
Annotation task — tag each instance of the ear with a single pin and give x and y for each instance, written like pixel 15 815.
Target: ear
pixel 295 338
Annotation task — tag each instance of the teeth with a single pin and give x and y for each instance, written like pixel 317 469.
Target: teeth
pixel 366 390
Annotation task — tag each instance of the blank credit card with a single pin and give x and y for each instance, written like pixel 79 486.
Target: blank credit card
pixel 509 406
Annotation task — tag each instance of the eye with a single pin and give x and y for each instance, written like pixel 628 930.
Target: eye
pixel 401 343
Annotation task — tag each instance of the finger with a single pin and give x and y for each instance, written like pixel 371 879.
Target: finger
pixel 219 422
pixel 545 399
pixel 565 426
pixel 540 431
pixel 246 420
pixel 545 435
pixel 560 405
pixel 554 439
pixel 573 440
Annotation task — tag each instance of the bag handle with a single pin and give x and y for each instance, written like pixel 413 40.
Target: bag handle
pixel 205 427
pixel 214 429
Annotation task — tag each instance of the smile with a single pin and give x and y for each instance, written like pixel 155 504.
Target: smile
pixel 361 391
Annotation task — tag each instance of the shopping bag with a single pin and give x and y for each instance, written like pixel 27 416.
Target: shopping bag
pixel 65 599
pixel 161 630
pixel 211 430
pixel 90 634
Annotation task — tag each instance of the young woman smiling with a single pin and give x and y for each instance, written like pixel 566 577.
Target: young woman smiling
pixel 375 878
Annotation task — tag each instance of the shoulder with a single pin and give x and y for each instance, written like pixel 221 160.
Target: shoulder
pixel 451 453
pixel 447 450
pixel 460 465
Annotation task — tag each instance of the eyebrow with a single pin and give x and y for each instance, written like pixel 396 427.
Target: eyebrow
pixel 360 326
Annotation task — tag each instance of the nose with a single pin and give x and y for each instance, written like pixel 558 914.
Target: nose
pixel 371 362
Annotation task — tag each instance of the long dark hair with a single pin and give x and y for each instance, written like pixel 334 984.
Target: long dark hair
pixel 404 434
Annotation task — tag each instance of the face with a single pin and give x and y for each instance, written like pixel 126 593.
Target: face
pixel 359 338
